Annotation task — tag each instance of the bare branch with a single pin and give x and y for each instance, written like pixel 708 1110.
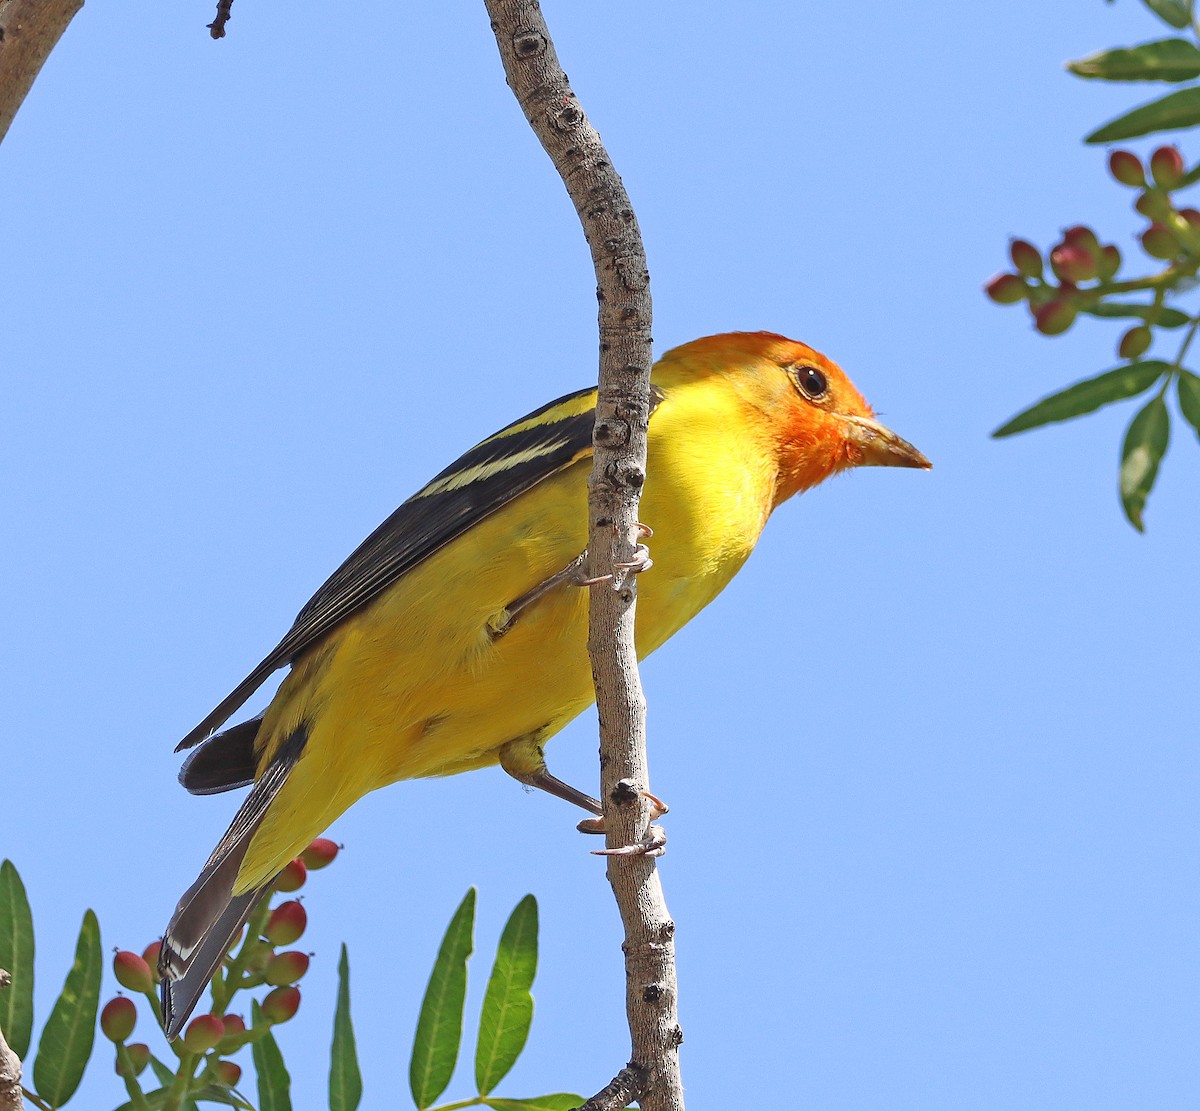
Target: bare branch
pixel 29 30
pixel 224 13
pixel 618 473
pixel 10 1067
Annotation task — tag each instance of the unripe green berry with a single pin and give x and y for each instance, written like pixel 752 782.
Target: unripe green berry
pixel 1157 242
pixel 281 1004
pixel 1166 166
pixel 287 923
pixel 138 1055
pixel 1055 317
pixel 1109 264
pixel 203 1033
pixel 319 853
pixel 228 1073
pixel 1126 167
pixel 1026 258
pixel 132 972
pixel 1153 205
pixel 118 1018
pixel 1006 289
pixel 1135 342
pixel 286 968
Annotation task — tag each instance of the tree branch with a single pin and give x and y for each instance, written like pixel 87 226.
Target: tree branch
pixel 618 473
pixel 10 1067
pixel 29 30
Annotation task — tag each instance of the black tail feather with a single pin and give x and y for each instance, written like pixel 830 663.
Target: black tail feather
pixel 209 914
pixel 223 762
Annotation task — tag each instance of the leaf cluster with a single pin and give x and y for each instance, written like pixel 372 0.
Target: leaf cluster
pixel 1085 280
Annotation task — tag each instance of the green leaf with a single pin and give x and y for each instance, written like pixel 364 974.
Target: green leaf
pixel 66 1041
pixel 345 1081
pixel 1087 396
pixel 558 1101
pixel 439 1027
pixel 1178 13
pixel 218 1093
pixel 1189 398
pixel 274 1084
pixel 16 957
pixel 1175 110
pixel 1145 445
pixel 507 1005
pixel 1165 60
pixel 166 1078
pixel 154 1100
pixel 1120 310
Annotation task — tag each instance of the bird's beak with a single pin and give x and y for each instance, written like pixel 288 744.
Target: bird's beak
pixel 880 446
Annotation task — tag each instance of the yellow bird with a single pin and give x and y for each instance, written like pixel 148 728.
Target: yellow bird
pixel 455 636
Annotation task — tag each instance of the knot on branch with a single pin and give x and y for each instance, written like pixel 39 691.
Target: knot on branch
pixel 633 273
pixel 632 477
pixel 612 433
pixel 566 116
pixel 528 44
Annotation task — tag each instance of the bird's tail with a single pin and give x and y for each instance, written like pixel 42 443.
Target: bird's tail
pixel 210 913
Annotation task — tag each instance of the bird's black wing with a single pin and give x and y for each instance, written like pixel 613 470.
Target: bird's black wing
pixel 477 484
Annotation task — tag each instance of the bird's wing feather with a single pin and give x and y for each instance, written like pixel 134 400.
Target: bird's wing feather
pixel 487 477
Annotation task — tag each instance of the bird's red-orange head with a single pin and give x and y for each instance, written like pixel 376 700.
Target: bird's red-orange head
pixel 802 405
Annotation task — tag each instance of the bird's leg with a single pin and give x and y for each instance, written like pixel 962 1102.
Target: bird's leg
pixel 573 575
pixel 499 623
pixel 525 761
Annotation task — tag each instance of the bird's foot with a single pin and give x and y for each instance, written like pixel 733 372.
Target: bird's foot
pixel 652 844
pixel 641 560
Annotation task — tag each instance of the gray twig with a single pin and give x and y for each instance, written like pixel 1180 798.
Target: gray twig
pixel 618 473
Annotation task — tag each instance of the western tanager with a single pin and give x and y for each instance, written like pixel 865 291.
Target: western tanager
pixel 454 637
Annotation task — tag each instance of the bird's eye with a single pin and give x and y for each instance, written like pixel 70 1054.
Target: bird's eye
pixel 812 382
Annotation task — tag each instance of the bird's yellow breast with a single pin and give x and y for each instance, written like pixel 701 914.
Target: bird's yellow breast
pixel 419 684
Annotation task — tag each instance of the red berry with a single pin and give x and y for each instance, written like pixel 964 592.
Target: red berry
pixel 235 1027
pixel 1157 242
pixel 319 853
pixel 1055 317
pixel 150 954
pixel 132 972
pixel 203 1032
pixel 286 968
pixel 1006 289
pixel 286 923
pixel 1026 258
pixel 1072 264
pixel 281 1003
pixel 118 1018
pixel 139 1057
pixel 1166 165
pixel 292 877
pixel 228 1073
pixel 1109 264
pixel 1126 167
pixel 1135 342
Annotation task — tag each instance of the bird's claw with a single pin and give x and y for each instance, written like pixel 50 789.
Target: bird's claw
pixel 654 843
pixel 641 559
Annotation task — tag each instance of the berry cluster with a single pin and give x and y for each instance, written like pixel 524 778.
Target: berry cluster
pixel 252 962
pixel 1083 271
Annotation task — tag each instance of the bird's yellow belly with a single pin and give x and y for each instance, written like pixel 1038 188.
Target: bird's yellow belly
pixel 419 684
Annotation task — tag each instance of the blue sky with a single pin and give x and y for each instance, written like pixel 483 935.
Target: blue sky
pixel 932 756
